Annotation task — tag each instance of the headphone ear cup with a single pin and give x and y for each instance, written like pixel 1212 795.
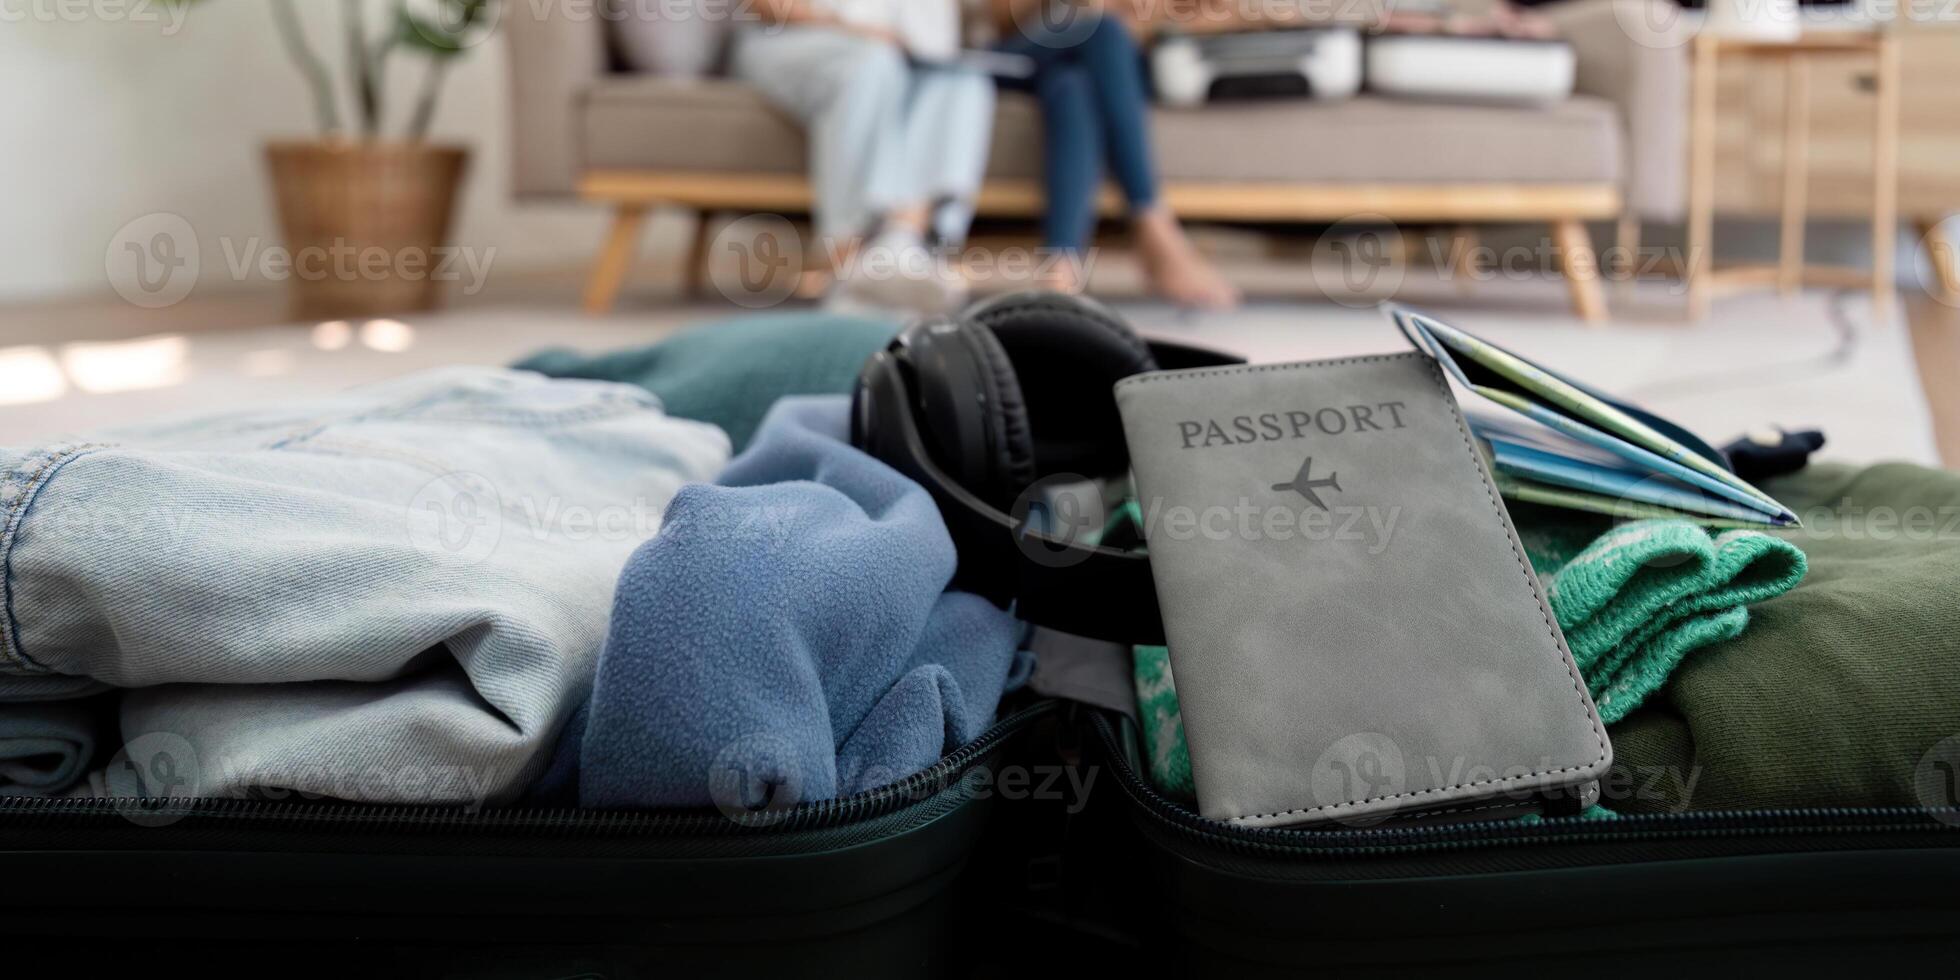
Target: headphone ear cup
pixel 968 406
pixel 1011 469
pixel 1067 353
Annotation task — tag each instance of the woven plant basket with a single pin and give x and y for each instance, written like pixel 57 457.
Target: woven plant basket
pixel 366 223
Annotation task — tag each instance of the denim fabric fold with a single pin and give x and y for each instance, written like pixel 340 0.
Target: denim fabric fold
pixel 393 594
pixel 46 746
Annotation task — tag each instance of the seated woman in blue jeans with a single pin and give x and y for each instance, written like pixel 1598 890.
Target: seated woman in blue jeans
pixel 1095 117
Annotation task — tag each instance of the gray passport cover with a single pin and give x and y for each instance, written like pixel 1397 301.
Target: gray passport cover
pixel 1354 629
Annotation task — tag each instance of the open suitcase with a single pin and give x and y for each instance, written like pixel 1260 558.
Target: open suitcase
pixel 946 872
pixel 864 884
pixel 1815 889
pixel 888 883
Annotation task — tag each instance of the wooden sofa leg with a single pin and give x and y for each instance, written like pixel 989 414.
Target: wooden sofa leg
pixel 696 285
pixel 610 268
pixel 1627 243
pixel 1580 265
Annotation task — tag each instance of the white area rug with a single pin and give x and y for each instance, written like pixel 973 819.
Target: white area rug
pixel 52 389
pixel 1756 361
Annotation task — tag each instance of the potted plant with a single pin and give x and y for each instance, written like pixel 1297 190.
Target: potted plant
pixel 365 215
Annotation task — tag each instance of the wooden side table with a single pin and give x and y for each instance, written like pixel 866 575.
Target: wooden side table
pixel 1789 271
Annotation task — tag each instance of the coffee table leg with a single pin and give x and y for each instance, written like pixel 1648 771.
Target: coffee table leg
pixel 1796 172
pixel 1701 178
pixel 1885 169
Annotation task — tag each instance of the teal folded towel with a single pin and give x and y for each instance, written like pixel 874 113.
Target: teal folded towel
pixel 729 372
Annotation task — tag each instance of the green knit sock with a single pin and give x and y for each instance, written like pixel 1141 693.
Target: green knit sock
pixel 1644 595
pixel 1619 583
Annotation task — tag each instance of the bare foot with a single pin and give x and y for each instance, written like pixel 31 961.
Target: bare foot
pixel 1063 275
pixel 1177 270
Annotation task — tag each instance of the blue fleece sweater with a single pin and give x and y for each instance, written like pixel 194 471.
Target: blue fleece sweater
pixel 788 636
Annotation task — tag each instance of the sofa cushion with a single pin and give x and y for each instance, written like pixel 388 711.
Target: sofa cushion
pixel 1374 138
pixel 637 122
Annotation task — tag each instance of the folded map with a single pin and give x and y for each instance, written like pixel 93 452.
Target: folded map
pixel 1568 445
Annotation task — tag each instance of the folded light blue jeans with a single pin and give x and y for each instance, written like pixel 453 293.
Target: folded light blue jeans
pixel 396 594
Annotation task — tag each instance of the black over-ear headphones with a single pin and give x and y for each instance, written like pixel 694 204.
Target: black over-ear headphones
pixel 979 407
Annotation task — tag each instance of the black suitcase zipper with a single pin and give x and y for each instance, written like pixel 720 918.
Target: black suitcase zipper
pixel 811 816
pixel 1897 826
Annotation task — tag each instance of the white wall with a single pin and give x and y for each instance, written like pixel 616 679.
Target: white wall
pixel 107 113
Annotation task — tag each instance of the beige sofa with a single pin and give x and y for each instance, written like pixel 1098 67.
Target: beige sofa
pixel 632 142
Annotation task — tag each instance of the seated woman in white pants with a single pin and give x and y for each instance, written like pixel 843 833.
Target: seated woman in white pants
pixel 897 150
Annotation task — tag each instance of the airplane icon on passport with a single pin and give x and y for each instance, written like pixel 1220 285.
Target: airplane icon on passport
pixel 1304 484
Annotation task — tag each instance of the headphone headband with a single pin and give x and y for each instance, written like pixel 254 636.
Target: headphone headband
pixel 959 405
